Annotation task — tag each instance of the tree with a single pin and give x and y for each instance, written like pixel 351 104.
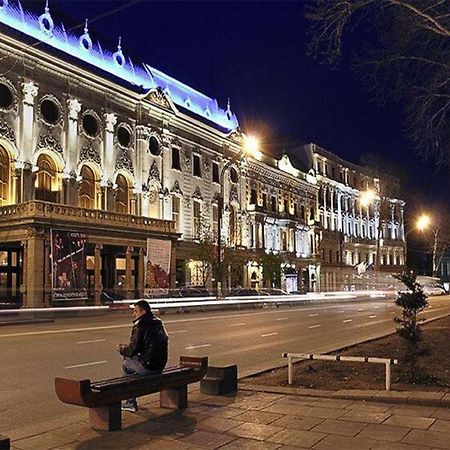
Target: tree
pixel 412 301
pixel 401 53
pixel 234 260
pixel 271 264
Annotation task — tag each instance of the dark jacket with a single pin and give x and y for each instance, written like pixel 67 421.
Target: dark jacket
pixel 149 341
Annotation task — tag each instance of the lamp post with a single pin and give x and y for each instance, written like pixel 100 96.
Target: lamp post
pixel 423 223
pixel 250 147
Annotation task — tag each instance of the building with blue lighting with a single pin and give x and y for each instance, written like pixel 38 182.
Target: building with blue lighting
pixel 112 175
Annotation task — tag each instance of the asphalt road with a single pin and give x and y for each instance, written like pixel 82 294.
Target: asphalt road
pixel 32 355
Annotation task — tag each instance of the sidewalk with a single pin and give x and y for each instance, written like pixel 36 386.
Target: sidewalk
pixel 261 421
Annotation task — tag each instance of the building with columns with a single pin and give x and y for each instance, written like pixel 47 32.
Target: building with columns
pixel 121 160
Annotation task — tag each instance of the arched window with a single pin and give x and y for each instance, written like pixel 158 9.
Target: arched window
pixel 122 195
pixel 47 183
pixel 87 189
pixel 5 167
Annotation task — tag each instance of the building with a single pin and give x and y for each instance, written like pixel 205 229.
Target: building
pixel 112 173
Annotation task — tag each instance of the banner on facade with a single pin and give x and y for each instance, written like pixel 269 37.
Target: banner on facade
pixel 68 265
pixel 157 266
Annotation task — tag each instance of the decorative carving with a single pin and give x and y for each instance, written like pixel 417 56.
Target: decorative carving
pixel 234 196
pixel 110 122
pixel 176 188
pixel 90 153
pixel 6 131
pixel 158 97
pixel 48 141
pixel 207 165
pixel 142 133
pixel 216 198
pixel 124 162
pixel 153 173
pixel 187 202
pixel 30 90
pixel 197 194
pixel 74 108
pixel 187 158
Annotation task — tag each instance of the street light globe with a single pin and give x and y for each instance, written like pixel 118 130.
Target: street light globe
pixel 367 197
pixel 423 222
pixel 251 146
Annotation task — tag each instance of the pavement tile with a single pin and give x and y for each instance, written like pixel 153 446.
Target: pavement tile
pixel 250 444
pixel 300 438
pixel 223 411
pixel 428 438
pixel 306 410
pixel 371 406
pixel 205 439
pixel 365 416
pixel 265 396
pixel 45 440
pixel 340 427
pixel 258 417
pixel 412 410
pixel 218 424
pixel 161 444
pixel 252 404
pixel 398 446
pixel 442 426
pixel 384 432
pixel 357 394
pixel 442 413
pixel 334 403
pixel 297 423
pixel 394 396
pixel 422 423
pixel 421 396
pixel 333 442
pixel 298 399
pixel 257 431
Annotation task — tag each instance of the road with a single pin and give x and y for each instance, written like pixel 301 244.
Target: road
pixel 32 355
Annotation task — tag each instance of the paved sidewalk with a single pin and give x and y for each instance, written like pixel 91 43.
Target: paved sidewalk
pixel 262 421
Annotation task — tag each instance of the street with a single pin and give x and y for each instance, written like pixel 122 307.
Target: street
pixel 32 355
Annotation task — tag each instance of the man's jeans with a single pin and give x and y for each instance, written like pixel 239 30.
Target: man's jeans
pixel 133 366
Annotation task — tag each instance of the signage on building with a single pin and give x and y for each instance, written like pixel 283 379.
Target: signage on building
pixel 68 265
pixel 157 267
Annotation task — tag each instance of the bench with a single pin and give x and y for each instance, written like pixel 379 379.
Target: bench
pixel 103 398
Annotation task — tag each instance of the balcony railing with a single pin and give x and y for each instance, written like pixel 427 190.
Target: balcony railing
pixel 43 211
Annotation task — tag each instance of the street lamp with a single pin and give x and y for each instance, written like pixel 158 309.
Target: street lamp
pixel 423 223
pixel 250 147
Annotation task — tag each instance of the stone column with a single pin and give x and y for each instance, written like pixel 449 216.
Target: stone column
pixel 34 269
pixel 129 289
pixel 332 194
pixel 71 149
pixel 29 91
pixel 173 267
pixel 339 211
pixel 98 287
pixel 109 155
pixel 141 271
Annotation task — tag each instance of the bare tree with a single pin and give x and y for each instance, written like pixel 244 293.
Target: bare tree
pixel 401 51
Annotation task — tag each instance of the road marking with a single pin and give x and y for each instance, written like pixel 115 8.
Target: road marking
pixel 237 324
pixel 86 364
pixel 313 315
pixel 361 309
pixel 341 312
pixel 268 334
pixel 92 341
pixel 191 347
pixel 178 331
pixel 372 317
pixel 281 318
pixel 314 326
pixel 347 320
pixel 375 307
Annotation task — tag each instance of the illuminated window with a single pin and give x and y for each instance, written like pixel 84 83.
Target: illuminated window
pixel 87 188
pixel 122 195
pixel 4 176
pixel 47 180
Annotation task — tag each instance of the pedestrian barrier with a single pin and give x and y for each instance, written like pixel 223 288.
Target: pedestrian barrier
pixel 305 356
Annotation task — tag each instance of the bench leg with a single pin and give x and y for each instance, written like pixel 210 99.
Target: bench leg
pixel 106 418
pixel 5 444
pixel 174 398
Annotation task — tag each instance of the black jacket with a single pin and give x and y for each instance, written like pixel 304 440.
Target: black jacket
pixel 149 341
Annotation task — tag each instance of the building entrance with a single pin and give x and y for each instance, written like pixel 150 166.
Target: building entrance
pixel 10 276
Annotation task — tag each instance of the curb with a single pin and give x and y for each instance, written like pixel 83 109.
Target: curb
pixel 413 398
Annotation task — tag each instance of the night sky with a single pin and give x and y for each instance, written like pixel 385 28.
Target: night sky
pixel 254 53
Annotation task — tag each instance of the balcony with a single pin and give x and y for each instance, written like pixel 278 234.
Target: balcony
pixel 53 214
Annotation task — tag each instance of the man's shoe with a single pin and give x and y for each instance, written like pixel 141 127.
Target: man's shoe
pixel 131 407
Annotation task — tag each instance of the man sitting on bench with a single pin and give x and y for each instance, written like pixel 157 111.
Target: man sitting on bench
pixel 146 354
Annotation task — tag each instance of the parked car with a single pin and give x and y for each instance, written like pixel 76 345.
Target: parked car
pixel 272 291
pixel 191 291
pixel 247 292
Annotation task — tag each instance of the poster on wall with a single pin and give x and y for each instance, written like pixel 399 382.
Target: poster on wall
pixel 157 267
pixel 68 265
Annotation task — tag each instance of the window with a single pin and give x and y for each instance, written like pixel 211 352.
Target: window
pixel 197 210
pixel 333 172
pixel 253 196
pixel 176 163
pixel 312 216
pixel 283 241
pixel 338 256
pixel 215 173
pixel 302 212
pixel 6 96
pixel 264 197
pixel 273 201
pixel 124 136
pixel 331 256
pixel 49 111
pixel 176 211
pixel 286 206
pixel 122 196
pixel 86 195
pixel 90 125
pixel 215 221
pixel 326 169
pixel 4 176
pixel 153 146
pixel 196 169
pixel 47 183
pixel 295 209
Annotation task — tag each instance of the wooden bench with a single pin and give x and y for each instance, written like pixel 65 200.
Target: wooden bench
pixel 103 398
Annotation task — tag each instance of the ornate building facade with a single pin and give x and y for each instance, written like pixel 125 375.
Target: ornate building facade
pixel 121 154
